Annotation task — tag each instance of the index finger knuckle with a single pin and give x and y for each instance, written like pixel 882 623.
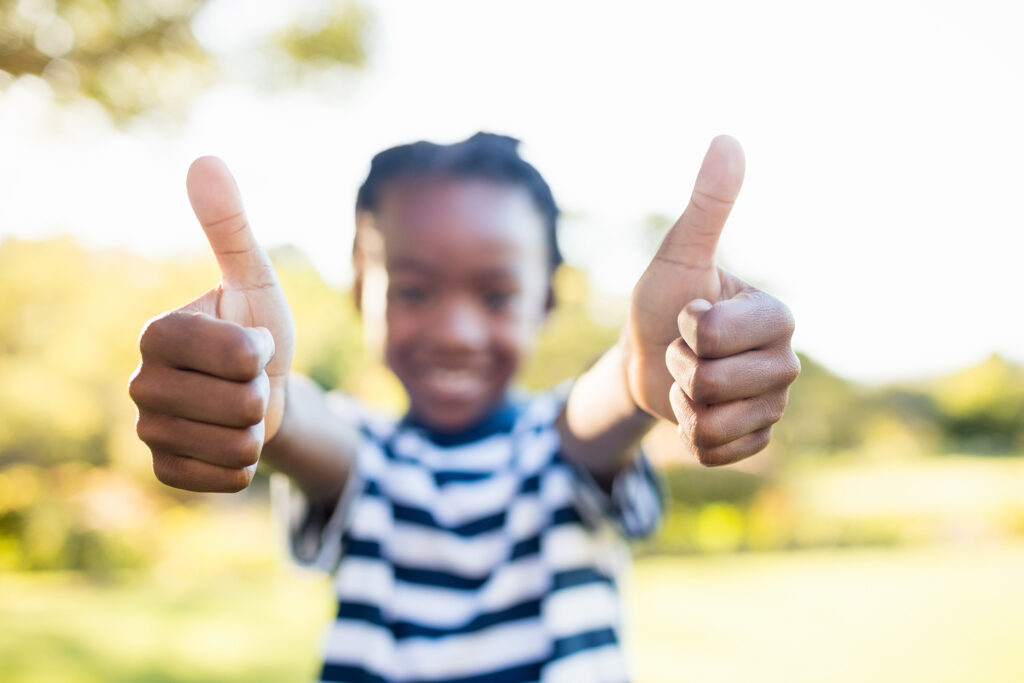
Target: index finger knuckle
pixel 242 356
pixel 705 385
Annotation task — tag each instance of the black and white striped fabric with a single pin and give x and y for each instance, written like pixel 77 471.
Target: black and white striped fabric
pixel 482 556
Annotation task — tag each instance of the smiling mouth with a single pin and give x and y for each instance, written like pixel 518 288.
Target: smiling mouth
pixel 448 384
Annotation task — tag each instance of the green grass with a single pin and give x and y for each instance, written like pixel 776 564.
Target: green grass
pixel 932 614
pixel 58 628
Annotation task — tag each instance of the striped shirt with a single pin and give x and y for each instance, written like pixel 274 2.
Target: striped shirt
pixel 480 556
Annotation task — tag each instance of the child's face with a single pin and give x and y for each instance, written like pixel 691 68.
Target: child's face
pixel 466 290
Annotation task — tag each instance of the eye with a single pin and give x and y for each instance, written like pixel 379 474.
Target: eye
pixel 498 300
pixel 410 295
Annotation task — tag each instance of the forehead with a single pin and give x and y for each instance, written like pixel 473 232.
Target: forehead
pixel 445 224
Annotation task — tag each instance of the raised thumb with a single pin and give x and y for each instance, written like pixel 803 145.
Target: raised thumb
pixel 217 204
pixel 692 240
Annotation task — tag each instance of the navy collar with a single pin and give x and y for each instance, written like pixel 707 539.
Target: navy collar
pixel 498 421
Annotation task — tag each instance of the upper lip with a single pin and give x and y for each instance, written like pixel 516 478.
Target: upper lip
pixel 474 366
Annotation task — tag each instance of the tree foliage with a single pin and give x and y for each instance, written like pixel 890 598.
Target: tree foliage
pixel 982 407
pixel 134 56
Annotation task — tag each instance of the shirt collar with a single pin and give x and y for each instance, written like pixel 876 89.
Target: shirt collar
pixel 499 421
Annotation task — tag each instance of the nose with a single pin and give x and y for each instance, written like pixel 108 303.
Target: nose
pixel 460 325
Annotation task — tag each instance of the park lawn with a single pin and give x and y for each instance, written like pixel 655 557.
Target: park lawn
pixel 59 628
pixel 929 614
pixel 934 615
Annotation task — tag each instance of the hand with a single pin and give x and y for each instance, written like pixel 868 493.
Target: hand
pixel 702 348
pixel 211 385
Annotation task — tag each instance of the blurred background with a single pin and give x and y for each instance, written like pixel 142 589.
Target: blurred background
pixel 880 537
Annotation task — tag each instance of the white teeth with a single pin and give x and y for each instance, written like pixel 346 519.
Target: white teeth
pixel 453 381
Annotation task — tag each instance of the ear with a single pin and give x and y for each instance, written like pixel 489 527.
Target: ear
pixel 549 299
pixel 364 222
pixel 358 266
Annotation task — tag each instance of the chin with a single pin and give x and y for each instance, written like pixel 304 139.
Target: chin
pixel 453 417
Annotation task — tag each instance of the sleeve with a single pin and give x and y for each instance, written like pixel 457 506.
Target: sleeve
pixel 313 532
pixel 634 505
pixel 636 502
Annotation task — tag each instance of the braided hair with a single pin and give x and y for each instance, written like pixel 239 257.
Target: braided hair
pixel 483 156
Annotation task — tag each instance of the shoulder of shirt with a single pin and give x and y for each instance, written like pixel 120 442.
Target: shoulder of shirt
pixel 377 423
pixel 542 409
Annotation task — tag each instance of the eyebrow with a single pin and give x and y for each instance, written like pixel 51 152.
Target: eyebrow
pixel 413 265
pixel 407 264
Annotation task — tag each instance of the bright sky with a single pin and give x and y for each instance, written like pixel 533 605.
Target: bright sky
pixel 884 147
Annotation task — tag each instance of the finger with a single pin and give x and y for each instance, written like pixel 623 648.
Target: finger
pixel 194 475
pixel 734 451
pixel 223 446
pixel 195 396
pixel 744 375
pixel 217 204
pixel 750 320
pixel 195 341
pixel 711 426
pixel 692 240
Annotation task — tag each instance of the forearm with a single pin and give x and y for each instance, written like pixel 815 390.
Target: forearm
pixel 313 447
pixel 601 425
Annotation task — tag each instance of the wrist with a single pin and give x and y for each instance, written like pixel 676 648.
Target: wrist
pixel 622 356
pixel 625 359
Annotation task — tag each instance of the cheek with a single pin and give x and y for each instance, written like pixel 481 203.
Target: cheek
pixel 400 335
pixel 517 337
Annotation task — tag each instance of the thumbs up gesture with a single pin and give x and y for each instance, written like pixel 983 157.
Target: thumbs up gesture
pixel 704 349
pixel 210 388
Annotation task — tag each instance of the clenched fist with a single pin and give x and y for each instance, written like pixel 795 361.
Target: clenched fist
pixel 210 388
pixel 703 348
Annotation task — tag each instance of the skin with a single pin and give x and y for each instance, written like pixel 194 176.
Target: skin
pixel 466 291
pixel 459 283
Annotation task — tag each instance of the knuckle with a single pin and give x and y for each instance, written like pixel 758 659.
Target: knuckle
pixel 140 389
pixel 761 439
pixel 134 377
pixel 237 480
pixel 688 428
pixel 246 450
pixel 776 313
pixel 776 407
pixel 700 429
pixel 707 457
pixel 133 386
pixel 147 337
pixel 704 384
pixel 782 370
pixel 145 429
pixel 793 368
pixel 168 470
pixel 677 359
pixel 682 410
pixel 699 436
pixel 709 336
pixel 155 330
pixel 706 433
pixel 244 356
pixel 787 323
pixel 252 404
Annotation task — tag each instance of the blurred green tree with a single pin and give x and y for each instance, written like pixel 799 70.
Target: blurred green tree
pixel 571 339
pixel 133 56
pixel 825 412
pixel 982 407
